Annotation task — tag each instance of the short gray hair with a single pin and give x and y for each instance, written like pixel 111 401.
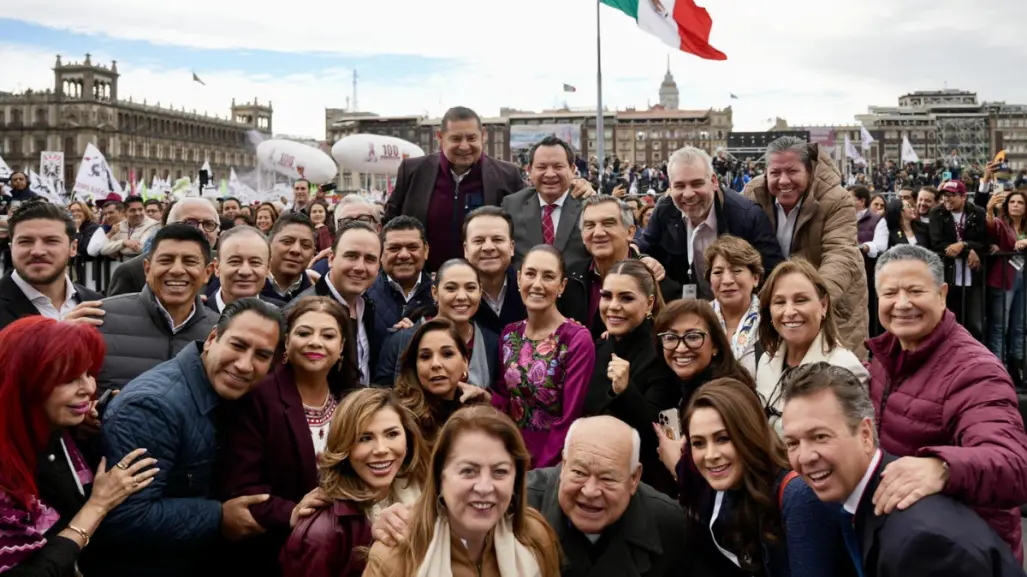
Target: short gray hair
pixel 176 211
pixel 627 215
pixel 688 155
pixel 242 230
pixel 353 199
pixel 912 252
pixel 852 396
pixel 787 144
pixel 636 443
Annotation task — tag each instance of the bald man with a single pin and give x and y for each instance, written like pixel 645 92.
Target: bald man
pixel 607 520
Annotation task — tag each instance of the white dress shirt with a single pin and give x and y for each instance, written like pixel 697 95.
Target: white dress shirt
pixel 496 305
pixel 43 303
pixel 786 227
pixel 363 344
pixel 852 503
pixel 556 211
pixel 399 287
pixel 219 302
pixel 700 237
pixel 879 244
pixel 171 322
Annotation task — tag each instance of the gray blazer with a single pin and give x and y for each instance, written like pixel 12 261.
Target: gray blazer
pixel 524 208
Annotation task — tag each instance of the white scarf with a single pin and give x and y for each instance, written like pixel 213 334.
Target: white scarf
pixel 513 558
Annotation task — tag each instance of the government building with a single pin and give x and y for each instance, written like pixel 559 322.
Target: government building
pixel 150 140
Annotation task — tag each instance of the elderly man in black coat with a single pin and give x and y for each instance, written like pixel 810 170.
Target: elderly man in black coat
pixel 608 522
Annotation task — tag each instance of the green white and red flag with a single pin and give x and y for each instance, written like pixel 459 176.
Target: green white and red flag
pixel 679 23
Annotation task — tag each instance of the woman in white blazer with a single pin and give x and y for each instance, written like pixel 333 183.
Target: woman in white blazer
pixel 800 331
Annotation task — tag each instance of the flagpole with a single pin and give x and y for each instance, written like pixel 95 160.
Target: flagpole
pixel 600 138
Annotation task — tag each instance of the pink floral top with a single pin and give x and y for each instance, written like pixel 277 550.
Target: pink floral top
pixel 543 385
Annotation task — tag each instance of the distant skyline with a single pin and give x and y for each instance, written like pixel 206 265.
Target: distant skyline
pixel 804 63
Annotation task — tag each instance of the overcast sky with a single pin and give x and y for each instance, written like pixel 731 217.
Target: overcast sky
pixel 812 62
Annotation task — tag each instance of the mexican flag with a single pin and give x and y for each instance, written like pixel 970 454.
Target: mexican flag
pixel 679 23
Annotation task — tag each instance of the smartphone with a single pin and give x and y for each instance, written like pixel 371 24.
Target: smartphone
pixel 670 421
pixel 105 398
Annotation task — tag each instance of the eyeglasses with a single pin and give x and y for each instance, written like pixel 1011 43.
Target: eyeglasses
pixel 365 218
pixel 693 339
pixel 205 225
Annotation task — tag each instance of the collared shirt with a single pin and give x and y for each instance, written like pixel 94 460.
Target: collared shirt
pixel 496 305
pixel 702 236
pixel 852 503
pixel 399 287
pixel 219 302
pixel 879 244
pixel 363 344
pixel 171 322
pixel 786 227
pixel 43 303
pixel 288 290
pixel 556 211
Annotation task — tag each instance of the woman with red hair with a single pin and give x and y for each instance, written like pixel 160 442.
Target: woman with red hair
pixel 47 381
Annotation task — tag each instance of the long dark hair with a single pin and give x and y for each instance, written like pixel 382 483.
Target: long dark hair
pixel 340 378
pixel 425 406
pixel 762 457
pixel 723 364
pixel 1005 211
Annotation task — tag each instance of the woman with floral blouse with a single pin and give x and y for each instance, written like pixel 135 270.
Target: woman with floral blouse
pixel 546 360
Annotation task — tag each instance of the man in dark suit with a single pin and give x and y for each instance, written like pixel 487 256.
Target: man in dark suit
pixel 439 189
pixel 547 213
pixel 828 422
pixel 241 268
pixel 42 244
pixel 608 522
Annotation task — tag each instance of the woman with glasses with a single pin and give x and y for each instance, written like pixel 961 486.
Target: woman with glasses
pixel 801 331
pixel 734 269
pixel 547 360
pixel 630 380
pixel 755 516
pixel 457 295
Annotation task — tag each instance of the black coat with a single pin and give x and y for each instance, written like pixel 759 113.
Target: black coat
pixel 921 231
pixel 937 536
pixel 128 278
pixel 513 307
pixel 651 389
pixel 975 236
pixel 15 305
pixel 647 541
pixel 212 303
pixel 321 289
pixel 666 237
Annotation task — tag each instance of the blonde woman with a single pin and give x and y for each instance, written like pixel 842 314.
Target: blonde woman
pixel 375 457
pixel 473 518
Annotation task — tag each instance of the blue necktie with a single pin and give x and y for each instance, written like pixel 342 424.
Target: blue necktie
pixel 851 542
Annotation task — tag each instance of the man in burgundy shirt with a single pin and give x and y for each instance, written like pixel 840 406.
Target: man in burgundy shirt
pixel 441 188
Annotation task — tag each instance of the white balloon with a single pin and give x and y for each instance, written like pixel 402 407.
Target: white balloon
pixel 373 153
pixel 296 160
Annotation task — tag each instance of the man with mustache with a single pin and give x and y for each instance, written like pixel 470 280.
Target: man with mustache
pixel 42 243
pixel 547 212
pixel 355 259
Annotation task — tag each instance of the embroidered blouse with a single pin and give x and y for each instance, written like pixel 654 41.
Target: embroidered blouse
pixel 543 385
pixel 319 419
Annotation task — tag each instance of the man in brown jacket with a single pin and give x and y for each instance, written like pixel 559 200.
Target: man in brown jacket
pixel 815 218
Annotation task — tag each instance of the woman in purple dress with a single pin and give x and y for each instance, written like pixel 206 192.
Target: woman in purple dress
pixel 546 360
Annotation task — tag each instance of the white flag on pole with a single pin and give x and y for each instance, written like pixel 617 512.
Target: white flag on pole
pixel 44 187
pixel 5 171
pixel 908 153
pixel 851 152
pixel 95 176
pixel 865 138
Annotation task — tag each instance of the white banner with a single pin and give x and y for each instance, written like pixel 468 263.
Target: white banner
pixel 524 136
pixel 51 169
pixel 851 152
pixel 95 177
pixel 908 152
pixel 5 171
pixel 865 138
pixel 44 188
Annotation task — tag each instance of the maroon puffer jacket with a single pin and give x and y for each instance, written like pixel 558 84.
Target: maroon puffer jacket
pixel 952 399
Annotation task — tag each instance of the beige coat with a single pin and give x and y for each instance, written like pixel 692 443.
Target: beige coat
pixel 825 235
pixel 115 245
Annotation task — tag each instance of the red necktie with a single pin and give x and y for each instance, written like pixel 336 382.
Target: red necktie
pixel 548 231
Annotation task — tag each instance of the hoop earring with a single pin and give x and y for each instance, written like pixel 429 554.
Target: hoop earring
pixel 649 315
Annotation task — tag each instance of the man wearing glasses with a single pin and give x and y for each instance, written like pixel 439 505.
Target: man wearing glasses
pixel 198 213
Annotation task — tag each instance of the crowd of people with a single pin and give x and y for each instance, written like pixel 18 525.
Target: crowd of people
pixel 493 377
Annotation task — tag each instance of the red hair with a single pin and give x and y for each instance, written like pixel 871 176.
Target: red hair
pixel 36 355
